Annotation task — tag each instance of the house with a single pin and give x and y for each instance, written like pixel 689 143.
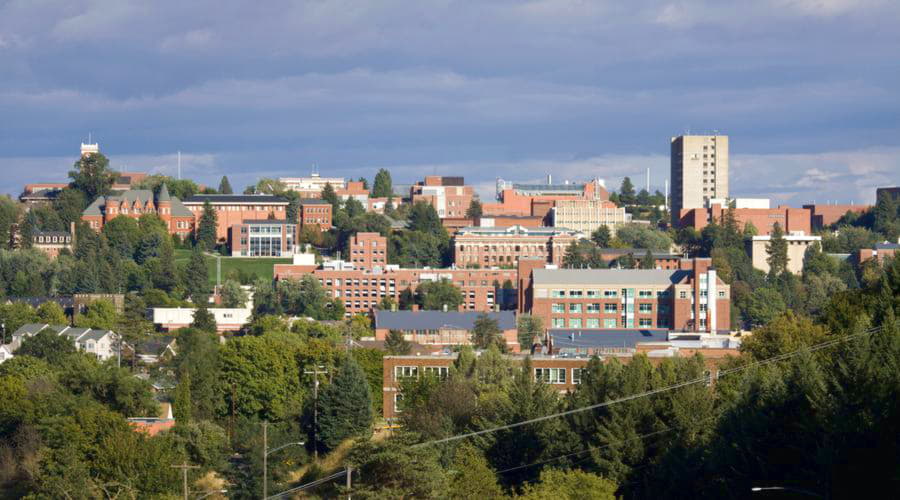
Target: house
pixel 5 353
pixel 174 318
pixel 442 329
pixel 100 343
pixel 152 351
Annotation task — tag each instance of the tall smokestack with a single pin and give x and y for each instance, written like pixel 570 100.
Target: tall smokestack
pixel 549 179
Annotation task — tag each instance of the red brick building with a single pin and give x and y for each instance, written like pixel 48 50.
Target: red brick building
pixel 537 199
pixel 690 299
pixel 764 219
pixel 503 246
pixel 232 209
pixel 881 252
pixel 439 329
pixel 825 215
pixel 135 203
pixel 449 196
pixel 315 213
pixel 368 250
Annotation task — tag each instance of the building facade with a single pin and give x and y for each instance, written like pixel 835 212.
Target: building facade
pixel 537 199
pixel 135 203
pixel 763 219
pixel 438 329
pixel 53 242
pixel 503 246
pixel 263 238
pixel 879 253
pixel 174 318
pixel 586 216
pixel 796 249
pixel 691 299
pixel 823 215
pixel 699 171
pixel 449 196
pixel 233 209
pixel 368 250
pixel 315 213
pixel 312 186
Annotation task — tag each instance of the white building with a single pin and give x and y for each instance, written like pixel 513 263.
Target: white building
pixel 797 243
pixel 227 319
pixel 5 353
pixel 313 185
pixel 100 343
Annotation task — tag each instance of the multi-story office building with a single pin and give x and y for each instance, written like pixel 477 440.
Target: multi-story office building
pixel 368 250
pixel 315 212
pixel 537 199
pixel 312 186
pixel 502 246
pixel 586 216
pixel 823 215
pixel 449 196
pixel 263 238
pixel 760 217
pixel 699 171
pixel 234 209
pixel 691 299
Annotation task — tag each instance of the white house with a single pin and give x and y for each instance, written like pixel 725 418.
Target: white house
pixel 227 319
pixel 5 353
pixel 100 343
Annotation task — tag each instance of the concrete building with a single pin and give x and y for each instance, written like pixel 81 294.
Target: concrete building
pixel 763 219
pixel 232 209
pixel 822 215
pixel 368 251
pixel 173 318
pixel 692 298
pixel 699 171
pixel 502 246
pixel 797 243
pixel 449 196
pixel 312 186
pixel 135 203
pixel 263 238
pixel 315 213
pixel 536 200
pixel 438 329
pixel 586 216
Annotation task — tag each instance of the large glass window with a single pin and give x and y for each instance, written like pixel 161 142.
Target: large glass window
pixel 550 375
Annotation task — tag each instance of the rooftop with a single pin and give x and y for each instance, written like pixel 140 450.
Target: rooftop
pixel 608 276
pixel 592 339
pixel 235 198
pixel 435 320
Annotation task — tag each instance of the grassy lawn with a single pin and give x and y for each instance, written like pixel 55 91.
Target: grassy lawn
pixel 262 267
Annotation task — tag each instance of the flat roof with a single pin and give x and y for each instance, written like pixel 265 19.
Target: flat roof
pixel 235 198
pixel 619 337
pixel 608 276
pixel 435 320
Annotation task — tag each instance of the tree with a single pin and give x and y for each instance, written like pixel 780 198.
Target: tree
pixel 486 332
pixel 123 235
pixel 51 313
pixel 270 186
pixel 383 186
pixel 396 344
pixel 583 254
pixel 777 251
pixel 471 476
pixel 885 216
pixel 601 236
pixel 626 192
pixel 436 295
pixel 785 333
pixel 198 355
pixel 208 227
pixel 424 218
pixel 647 261
pixel 204 320
pixel 225 186
pixel 474 210
pixel 640 236
pixel 394 468
pixel 181 407
pixel 293 209
pixel 555 483
pixel 47 345
pixel 765 304
pixel 529 328
pixel 69 205
pixel 92 176
pixel 233 295
pixel 345 406
pixel 329 195
pixel 196 277
pixel 100 314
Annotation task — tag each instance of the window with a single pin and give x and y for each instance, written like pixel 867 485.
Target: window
pixel 401 372
pixel 576 375
pixel 592 323
pixel 682 295
pixel 722 294
pixel 610 293
pixel 575 323
pixel 557 293
pixel 576 293
pixel 645 308
pixel 575 308
pixel 398 403
pixel 610 308
pixel 593 308
pixel 440 372
pixel 645 294
pixel 559 323
pixel 550 375
pixel 593 293
pixel 645 322
pixel 609 322
pixel 558 308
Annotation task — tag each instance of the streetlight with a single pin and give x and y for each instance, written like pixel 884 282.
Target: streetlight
pixel 213 492
pixel 267 452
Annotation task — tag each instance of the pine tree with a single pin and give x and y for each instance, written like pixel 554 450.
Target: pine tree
pixel 196 277
pixel 167 278
pixel 181 406
pixel 383 186
pixel 777 251
pixel 204 320
pixel 225 186
pixel 474 210
pixel 207 230
pixel 396 344
pixel 601 236
pixel 626 192
pixel 471 476
pixel 345 406
pixel 331 197
pixel 486 332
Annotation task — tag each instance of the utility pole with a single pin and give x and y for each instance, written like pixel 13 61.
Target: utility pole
pixel 315 373
pixel 184 470
pixel 349 480
pixel 265 459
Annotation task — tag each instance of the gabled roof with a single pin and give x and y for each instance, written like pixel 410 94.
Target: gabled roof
pixel 599 277
pixel 131 195
pixel 30 329
pixel 435 320
pixel 94 208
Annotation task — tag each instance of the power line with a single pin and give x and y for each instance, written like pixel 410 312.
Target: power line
pixel 311 484
pixel 652 392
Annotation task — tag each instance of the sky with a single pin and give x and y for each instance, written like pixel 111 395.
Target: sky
pixel 807 90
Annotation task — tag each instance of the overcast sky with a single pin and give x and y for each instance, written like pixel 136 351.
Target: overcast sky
pixel 807 90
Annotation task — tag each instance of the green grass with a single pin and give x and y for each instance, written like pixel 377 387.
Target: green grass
pixel 262 267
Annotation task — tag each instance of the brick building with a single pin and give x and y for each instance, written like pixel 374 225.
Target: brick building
pixel 692 298
pixel 449 196
pixel 880 252
pixel 53 242
pixel 661 260
pixel 262 238
pixel 538 199
pixel 503 246
pixel 137 202
pixel 315 213
pixel 510 220
pixel 438 329
pixel 232 209
pixel 763 219
pixel 586 216
pixel 823 215
pixel 368 250
pixel 41 193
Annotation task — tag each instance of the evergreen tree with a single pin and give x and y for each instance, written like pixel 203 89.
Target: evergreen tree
pixel 474 209
pixel 626 192
pixel 204 320
pixel 329 195
pixel 345 406
pixel 424 218
pixel 92 176
pixel 486 332
pixel 196 277
pixel 885 216
pixel 293 208
pixel 207 230
pixel 167 277
pixel 777 251
pixel 225 186
pixel 601 236
pixel 383 186
pixel 396 344
pixel 647 261
pixel 181 406
pixel 471 476
pixel 52 313
pixel 530 328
